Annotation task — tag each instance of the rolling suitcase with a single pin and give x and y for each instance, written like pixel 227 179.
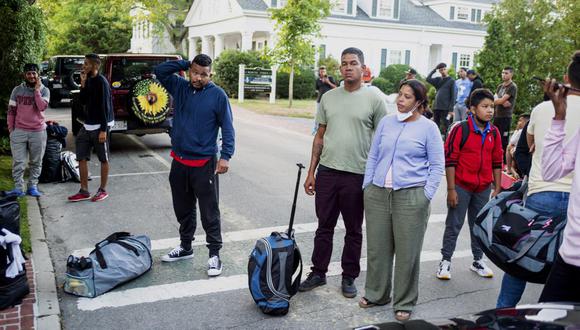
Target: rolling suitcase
pixel 272 266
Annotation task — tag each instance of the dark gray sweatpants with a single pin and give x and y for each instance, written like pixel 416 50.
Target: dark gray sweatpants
pixel 470 203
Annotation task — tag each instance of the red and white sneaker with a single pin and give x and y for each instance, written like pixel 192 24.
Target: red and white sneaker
pixel 80 196
pixel 100 195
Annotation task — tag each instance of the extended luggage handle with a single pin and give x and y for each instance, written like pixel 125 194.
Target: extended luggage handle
pixel 289 232
pixel 113 239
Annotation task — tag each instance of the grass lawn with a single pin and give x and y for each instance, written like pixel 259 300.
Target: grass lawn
pixel 300 108
pixel 7 184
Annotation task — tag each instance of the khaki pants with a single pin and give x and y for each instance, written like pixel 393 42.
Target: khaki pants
pixel 396 224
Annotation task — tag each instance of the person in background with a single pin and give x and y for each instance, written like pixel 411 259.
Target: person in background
pixel 409 74
pixel 95 95
pixel 470 169
pixel 445 97
pixel 463 86
pixel 27 128
pixel 510 159
pixel 324 83
pixel 403 172
pixel 348 117
pixel 505 103
pixel 475 79
pixel 559 159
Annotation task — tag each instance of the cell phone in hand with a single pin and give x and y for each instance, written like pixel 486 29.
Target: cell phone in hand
pixel 558 85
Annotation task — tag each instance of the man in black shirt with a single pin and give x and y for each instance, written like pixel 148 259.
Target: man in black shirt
pixel 324 83
pixel 445 97
pixel 95 95
pixel 475 79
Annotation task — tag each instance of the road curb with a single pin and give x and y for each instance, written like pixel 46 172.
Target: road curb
pixel 47 307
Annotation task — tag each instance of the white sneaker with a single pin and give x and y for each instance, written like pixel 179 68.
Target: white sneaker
pixel 214 266
pixel 444 271
pixel 481 269
pixel 177 254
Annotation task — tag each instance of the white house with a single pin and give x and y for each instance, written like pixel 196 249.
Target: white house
pixel 420 33
pixel 143 38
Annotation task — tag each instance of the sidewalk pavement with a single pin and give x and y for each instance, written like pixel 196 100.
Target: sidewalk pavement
pixel 40 309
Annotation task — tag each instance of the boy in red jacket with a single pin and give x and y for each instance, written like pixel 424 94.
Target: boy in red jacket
pixel 473 160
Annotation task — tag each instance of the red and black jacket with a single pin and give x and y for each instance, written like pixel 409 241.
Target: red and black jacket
pixel 474 160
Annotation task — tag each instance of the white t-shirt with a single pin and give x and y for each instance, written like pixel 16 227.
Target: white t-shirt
pixel 540 121
pixel 515 137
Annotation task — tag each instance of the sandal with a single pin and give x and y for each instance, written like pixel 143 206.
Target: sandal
pixel 402 316
pixel 365 303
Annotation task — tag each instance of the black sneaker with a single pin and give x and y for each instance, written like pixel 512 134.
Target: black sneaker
pixel 177 254
pixel 312 281
pixel 348 287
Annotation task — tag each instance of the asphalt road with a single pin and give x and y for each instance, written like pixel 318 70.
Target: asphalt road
pixel 255 196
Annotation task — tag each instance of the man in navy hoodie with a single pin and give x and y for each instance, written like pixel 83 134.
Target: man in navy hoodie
pixel 200 109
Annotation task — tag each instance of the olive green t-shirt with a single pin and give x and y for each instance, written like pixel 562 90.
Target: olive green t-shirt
pixel 350 119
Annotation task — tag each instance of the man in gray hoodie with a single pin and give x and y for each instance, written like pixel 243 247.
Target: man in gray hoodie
pixel 27 129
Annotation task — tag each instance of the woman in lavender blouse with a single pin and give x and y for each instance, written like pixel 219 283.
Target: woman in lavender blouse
pixel 404 168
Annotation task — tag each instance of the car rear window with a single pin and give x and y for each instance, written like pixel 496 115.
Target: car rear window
pixel 70 65
pixel 127 70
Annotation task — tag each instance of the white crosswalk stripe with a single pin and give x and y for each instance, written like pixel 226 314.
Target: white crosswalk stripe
pixel 245 235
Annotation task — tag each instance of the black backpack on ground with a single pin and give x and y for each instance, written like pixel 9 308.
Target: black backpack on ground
pixel 51 164
pixel 518 240
pixel 12 290
pixel 272 265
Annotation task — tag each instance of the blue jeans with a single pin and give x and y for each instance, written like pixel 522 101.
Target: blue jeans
pixel 547 203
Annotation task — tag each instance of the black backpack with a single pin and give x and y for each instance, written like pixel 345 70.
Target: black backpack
pixel 12 290
pixel 272 265
pixel 518 240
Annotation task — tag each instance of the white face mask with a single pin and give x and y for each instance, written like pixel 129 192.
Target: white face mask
pixel 402 116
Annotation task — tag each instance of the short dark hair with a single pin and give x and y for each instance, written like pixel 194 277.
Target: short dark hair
pixel 574 70
pixel 479 95
pixel 202 60
pixel 30 67
pixel 463 68
pixel 322 67
pixel 509 68
pixel 525 116
pixel 354 51
pixel 94 58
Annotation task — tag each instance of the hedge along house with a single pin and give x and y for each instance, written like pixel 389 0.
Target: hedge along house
pixel 420 33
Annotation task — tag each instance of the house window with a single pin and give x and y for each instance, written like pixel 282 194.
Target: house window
pixel 339 6
pixel 282 3
pixel 395 57
pixel 476 15
pixel 465 60
pixel 385 8
pixel 462 13
pixel 253 45
pixel 322 51
pixel 478 18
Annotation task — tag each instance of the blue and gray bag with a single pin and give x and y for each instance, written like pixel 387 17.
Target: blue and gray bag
pixel 115 260
pixel 272 267
pixel 518 240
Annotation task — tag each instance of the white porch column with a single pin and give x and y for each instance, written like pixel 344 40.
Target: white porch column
pixel 218 45
pixel 247 40
pixel 421 63
pixel 192 51
pixel 205 45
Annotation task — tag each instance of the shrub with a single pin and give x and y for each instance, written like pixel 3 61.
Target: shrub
pixel 332 66
pixel 382 84
pixel 22 40
pixel 227 68
pixel 304 84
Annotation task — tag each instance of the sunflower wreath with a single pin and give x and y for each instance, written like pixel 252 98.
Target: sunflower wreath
pixel 150 101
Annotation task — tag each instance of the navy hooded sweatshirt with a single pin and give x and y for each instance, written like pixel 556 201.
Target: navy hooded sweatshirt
pixel 198 115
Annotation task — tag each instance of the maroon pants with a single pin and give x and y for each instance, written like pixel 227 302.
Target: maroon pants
pixel 338 192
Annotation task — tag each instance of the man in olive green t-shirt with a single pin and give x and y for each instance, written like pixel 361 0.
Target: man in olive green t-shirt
pixel 348 116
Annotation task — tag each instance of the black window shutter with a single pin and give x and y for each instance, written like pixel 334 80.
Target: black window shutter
pixel 396 9
pixel 479 15
pixel 454 60
pixel 349 7
pixel 473 15
pixel 374 14
pixel 383 58
pixel 407 57
pixel 452 12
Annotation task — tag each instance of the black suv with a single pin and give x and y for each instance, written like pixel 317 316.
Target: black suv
pixel 63 76
pixel 140 104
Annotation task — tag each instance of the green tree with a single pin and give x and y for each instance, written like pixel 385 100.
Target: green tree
pixel 297 25
pixel 22 40
pixel 80 27
pixel 332 66
pixel 392 75
pixel 535 37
